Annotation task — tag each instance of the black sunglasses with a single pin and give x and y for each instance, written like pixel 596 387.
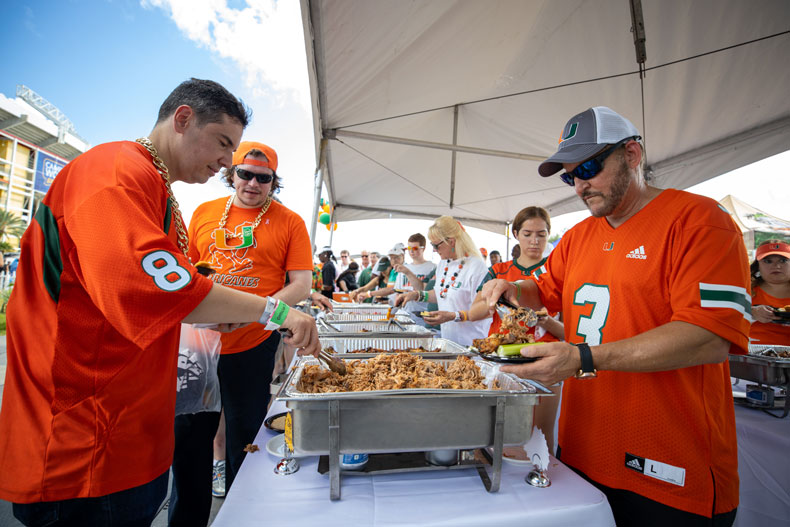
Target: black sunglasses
pixel 246 175
pixel 592 167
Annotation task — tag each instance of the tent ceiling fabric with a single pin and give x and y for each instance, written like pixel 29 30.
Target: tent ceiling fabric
pixel 506 75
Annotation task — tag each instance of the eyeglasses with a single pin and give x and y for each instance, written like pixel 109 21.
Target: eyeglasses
pixel 416 248
pixel 246 175
pixel 592 167
pixel 436 245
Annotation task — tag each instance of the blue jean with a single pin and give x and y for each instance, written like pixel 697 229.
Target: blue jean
pixel 135 507
pixel 244 382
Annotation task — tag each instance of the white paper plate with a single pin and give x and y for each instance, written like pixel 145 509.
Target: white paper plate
pixel 276 446
pixel 515 460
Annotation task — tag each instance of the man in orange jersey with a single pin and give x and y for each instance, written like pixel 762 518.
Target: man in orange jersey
pixel 104 283
pixel 654 293
pixel 253 242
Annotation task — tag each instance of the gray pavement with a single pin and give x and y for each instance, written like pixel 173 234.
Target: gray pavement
pixel 6 515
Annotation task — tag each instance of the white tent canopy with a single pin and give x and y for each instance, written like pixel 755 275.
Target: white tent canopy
pixel 424 108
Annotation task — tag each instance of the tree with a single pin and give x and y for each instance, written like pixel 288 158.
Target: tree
pixel 11 225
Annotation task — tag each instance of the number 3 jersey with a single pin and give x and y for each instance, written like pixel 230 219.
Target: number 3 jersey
pixel 669 436
pixel 93 327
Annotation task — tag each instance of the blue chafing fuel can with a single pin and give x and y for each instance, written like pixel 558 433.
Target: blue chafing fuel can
pixel 759 395
pixel 353 461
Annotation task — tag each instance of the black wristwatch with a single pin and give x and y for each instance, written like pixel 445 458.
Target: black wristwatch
pixel 587 370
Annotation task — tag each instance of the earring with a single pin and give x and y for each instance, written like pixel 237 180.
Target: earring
pixel 757 274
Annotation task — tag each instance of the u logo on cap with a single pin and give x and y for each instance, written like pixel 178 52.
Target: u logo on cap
pixel 570 133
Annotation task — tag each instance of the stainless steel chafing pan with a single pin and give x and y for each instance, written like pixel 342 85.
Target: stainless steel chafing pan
pixel 411 420
pixel 760 366
pixel 345 345
pixel 341 328
pixel 370 316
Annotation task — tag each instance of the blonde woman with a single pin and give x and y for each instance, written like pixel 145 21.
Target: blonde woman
pixel 458 275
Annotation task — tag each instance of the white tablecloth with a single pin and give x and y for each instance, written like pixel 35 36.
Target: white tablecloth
pixel 763 468
pixel 450 498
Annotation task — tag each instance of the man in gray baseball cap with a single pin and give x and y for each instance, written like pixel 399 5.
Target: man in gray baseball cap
pixel 654 293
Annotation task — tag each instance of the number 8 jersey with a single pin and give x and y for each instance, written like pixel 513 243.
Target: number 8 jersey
pixel 94 321
pixel 680 258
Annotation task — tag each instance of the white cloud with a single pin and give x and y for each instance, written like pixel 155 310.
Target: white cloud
pixel 264 39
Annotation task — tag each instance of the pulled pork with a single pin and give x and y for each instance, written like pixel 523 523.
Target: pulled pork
pixel 393 372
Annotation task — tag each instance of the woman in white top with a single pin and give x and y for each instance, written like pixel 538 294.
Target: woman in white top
pixel 458 275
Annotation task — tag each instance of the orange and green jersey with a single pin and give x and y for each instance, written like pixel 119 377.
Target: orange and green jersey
pixel 771 333
pixel 512 272
pixel 280 243
pixel 680 258
pixel 93 330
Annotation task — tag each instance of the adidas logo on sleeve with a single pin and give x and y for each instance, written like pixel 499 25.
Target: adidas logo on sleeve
pixel 638 253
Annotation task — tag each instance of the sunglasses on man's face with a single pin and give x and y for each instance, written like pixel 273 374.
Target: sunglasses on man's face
pixel 592 167
pixel 246 175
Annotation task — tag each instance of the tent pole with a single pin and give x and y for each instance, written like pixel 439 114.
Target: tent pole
pixel 318 178
pixel 454 155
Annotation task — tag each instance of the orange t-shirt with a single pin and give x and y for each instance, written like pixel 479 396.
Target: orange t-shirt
pixel 771 333
pixel 512 272
pixel 680 258
pixel 280 244
pixel 93 328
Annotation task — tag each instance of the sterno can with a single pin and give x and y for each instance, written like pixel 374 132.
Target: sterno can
pixel 353 461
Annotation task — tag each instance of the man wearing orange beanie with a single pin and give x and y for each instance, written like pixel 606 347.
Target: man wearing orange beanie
pixel 254 243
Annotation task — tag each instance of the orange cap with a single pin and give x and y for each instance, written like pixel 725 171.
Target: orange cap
pixel 767 249
pixel 244 148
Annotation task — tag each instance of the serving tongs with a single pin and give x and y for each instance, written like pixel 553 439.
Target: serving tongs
pixel 391 319
pixel 333 363
pixel 529 317
pixel 321 319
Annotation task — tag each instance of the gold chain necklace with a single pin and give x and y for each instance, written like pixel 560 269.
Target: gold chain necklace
pixel 183 239
pixel 255 224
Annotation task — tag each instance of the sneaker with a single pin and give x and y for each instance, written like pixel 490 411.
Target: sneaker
pixel 218 480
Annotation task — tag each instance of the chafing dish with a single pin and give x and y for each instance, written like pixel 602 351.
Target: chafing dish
pixel 411 420
pixel 344 345
pixel 373 316
pixel 759 366
pixel 383 328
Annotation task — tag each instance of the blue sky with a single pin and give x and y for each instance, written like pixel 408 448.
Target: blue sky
pixel 109 64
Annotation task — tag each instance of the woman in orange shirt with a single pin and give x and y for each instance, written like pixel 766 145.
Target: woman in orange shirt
pixel 770 291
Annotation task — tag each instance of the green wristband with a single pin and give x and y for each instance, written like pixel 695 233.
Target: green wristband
pixel 425 296
pixel 280 312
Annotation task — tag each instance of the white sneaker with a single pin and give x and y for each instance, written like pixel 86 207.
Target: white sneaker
pixel 218 480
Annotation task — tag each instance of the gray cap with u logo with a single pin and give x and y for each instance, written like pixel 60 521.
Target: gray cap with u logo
pixel 586 134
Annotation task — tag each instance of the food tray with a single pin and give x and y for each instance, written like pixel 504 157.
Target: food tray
pixel 344 344
pixel 368 309
pixel 756 367
pixel 372 316
pixel 369 328
pixel 411 420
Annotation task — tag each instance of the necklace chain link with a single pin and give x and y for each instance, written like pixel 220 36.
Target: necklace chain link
pixel 183 239
pixel 255 224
